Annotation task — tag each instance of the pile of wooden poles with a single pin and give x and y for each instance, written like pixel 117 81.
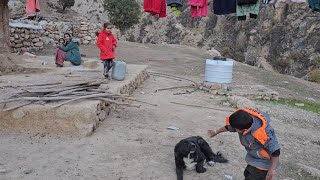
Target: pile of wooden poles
pixel 67 93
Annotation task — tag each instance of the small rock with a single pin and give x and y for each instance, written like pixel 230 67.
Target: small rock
pixel 2 171
pixel 36 40
pixel 253 31
pixel 299 104
pixel 311 99
pixel 285 82
pixel 215 87
pixel 88 38
pixel 28 171
pixel 228 177
pixel 226 104
pixel 85 42
pixel 39 44
pixel 213 52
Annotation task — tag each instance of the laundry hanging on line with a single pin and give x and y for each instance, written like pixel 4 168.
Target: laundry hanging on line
pixel 242 8
pixel 314 5
pixel 198 8
pixel 32 6
pixel 176 6
pixel 155 7
pixel 250 9
pixel 223 7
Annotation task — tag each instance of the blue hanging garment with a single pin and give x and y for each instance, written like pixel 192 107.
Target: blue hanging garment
pixel 314 5
pixel 176 6
pixel 175 3
pixel 222 7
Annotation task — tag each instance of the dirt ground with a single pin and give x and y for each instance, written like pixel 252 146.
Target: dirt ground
pixel 134 143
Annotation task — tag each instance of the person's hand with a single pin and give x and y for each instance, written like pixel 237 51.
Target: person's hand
pixel 271 174
pixel 113 47
pixel 212 133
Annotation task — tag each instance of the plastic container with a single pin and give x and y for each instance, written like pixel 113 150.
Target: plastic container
pixel 119 70
pixel 218 71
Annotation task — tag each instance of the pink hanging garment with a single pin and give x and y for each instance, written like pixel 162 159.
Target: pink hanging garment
pixel 198 8
pixel 195 2
pixel 203 10
pixel 32 6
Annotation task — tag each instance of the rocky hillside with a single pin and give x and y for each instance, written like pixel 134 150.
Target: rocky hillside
pixel 92 10
pixel 284 38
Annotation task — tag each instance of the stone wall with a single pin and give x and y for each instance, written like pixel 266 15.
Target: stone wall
pixel 84 31
pixel 26 40
pixel 23 39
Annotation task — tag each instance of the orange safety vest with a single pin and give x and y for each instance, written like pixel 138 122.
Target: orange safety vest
pixel 260 134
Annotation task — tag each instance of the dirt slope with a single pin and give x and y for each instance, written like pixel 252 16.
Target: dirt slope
pixel 135 144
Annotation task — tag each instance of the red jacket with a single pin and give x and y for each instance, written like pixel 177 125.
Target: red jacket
pixel 106 42
pixel 155 7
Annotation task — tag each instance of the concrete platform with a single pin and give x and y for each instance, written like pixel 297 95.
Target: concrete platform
pixel 80 118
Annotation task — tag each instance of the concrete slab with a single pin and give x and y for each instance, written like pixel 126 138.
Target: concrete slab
pixel 135 76
pixel 80 118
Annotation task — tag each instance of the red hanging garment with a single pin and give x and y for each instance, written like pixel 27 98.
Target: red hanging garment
pixel 155 7
pixel 32 6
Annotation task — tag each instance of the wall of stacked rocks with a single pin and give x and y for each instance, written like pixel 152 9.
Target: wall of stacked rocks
pixel 23 39
pixel 26 40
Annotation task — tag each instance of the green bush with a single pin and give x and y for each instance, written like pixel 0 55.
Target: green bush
pixel 296 56
pixel 314 76
pixel 66 4
pixel 123 13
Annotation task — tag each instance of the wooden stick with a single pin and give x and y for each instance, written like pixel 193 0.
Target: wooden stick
pixel 22 105
pixel 74 84
pixel 83 97
pixel 30 85
pixel 36 99
pixel 201 106
pixel 72 76
pixel 188 92
pixel 166 77
pixel 133 99
pixel 45 84
pixel 156 73
pixel 55 98
pixel 119 103
pixel 83 93
pixel 66 92
pixel 55 90
pixel 100 90
pixel 16 107
pixel 175 87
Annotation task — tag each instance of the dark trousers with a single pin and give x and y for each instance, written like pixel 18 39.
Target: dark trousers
pixel 252 173
pixel 107 64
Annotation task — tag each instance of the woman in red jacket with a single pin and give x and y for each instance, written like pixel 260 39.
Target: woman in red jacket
pixel 107 44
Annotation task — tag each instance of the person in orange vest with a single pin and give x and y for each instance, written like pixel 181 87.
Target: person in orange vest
pixel 259 140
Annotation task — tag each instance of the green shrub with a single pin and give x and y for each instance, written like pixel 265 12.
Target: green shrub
pixel 314 76
pixel 124 14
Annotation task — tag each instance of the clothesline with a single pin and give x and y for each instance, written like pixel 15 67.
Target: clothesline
pixel 199 8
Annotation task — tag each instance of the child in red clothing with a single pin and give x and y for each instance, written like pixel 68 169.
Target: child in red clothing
pixel 107 44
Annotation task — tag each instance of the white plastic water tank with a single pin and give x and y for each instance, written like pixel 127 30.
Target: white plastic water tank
pixel 217 71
